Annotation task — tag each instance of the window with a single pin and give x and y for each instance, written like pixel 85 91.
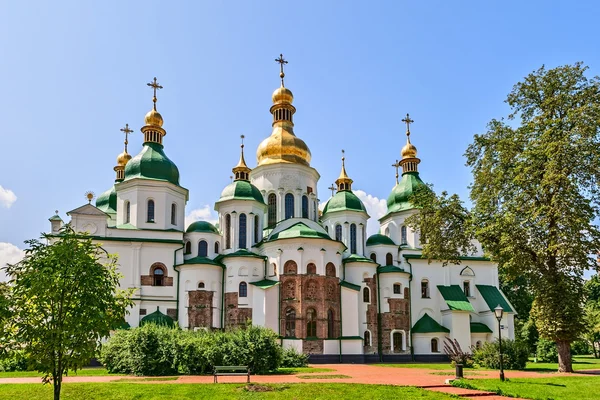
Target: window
pixel 200 285
pixel 158 277
pixel 397 288
pixel 366 295
pixel 150 211
pixel 188 247
pixel 228 231
pixel 289 206
pixel 397 339
pixel 202 248
pixel 127 212
pixel 316 210
pixel 374 257
pixel 256 229
pixel 330 270
pixel 330 324
pixel 434 345
pixel 272 209
pixel 290 267
pixel 311 269
pixel 387 232
pixel 173 214
pixel 353 238
pixel 216 247
pixel 338 232
pixel 367 336
pixel 243 291
pixel 290 322
pixel 467 288
pixel 403 235
pixel 478 344
pixel 311 323
pixel 389 259
pixel 304 207
pixel 424 289
pixel 242 232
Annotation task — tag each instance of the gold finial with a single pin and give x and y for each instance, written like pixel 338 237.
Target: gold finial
pixel 281 62
pixel 127 131
pixel 408 121
pixel 332 188
pixel 343 182
pixel 154 85
pixel 56 212
pixel 241 170
pixel 396 165
pixel 89 196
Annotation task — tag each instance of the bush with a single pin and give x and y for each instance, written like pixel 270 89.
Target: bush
pixel 514 355
pixel 581 348
pixel 14 361
pixel 546 351
pixel 293 359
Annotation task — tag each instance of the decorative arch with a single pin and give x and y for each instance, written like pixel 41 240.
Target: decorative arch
pixel 311 322
pixel 255 271
pixel 338 232
pixel 311 289
pixel 353 238
pixel 330 270
pixel 389 259
pixel 366 295
pixel 201 285
pixel 158 272
pixel 188 247
pixel 290 267
pixel 203 248
pixel 387 231
pixel 243 289
pixel 273 269
pixel 311 269
pixel 242 231
pixel 290 322
pixel 228 231
pixel 289 290
pixel 435 345
pixel 289 205
pixel 373 257
pixel 367 338
pixel 467 271
pixel 272 209
pixel 398 341
pixel 216 247
pixel 150 211
pixel 243 271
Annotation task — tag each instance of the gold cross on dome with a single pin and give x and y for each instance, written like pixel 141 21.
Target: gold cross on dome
pixel 332 188
pixel 154 85
pixel 397 165
pixel 242 137
pixel 407 121
pixel 281 62
pixel 127 132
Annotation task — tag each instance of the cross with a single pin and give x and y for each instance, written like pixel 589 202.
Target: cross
pixel 332 188
pixel 408 121
pixel 397 165
pixel 281 61
pixel 127 132
pixel 242 136
pixel 154 85
pixel 343 155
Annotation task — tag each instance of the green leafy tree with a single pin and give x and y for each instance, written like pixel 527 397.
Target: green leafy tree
pixel 66 298
pixel 5 314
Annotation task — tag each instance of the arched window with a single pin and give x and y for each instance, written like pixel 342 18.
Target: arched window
pixel 256 229
pixel 216 247
pixel 338 232
pixel 374 257
pixel 202 248
pixel 403 235
pixel 228 231
pixel 330 270
pixel 272 209
pixel 330 324
pixel 367 338
pixel 289 206
pixel 434 346
pixel 311 323
pixel 127 212
pixel 311 268
pixel 201 285
pixel 387 232
pixel 304 207
pixel 290 267
pixel 188 247
pixel 467 288
pixel 243 290
pixel 424 289
pixel 397 338
pixel 389 259
pixel 173 214
pixel 242 232
pixel 353 238
pixel 366 295
pixel 397 288
pixel 290 322
pixel 158 276
pixel 150 211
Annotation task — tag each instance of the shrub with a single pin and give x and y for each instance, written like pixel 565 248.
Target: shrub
pixel 292 359
pixel 514 355
pixel 14 361
pixel 456 354
pixel 581 348
pixel 546 351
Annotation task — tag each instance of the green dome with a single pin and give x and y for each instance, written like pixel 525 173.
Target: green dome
pixel 152 163
pixel 398 200
pixel 202 226
pixel 241 190
pixel 107 201
pixel 344 200
pixel 157 318
pixel 378 238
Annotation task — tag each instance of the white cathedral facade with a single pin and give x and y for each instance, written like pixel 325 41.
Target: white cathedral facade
pixel 316 279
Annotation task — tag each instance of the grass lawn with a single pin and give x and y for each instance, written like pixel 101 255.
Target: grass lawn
pixel 92 371
pixel 570 387
pixel 129 391
pixel 579 363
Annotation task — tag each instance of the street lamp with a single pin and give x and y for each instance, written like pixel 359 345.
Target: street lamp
pixel 499 311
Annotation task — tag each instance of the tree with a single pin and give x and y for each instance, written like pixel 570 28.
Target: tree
pixel 65 298
pixel 5 314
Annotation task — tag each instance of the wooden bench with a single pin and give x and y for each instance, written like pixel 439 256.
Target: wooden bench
pixel 234 370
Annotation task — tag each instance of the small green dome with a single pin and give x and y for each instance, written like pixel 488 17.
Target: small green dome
pixel 398 200
pixel 152 163
pixel 241 190
pixel 378 238
pixel 202 226
pixel 107 201
pixel 157 318
pixel 344 200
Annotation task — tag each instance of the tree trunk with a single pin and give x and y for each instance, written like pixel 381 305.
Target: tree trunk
pixel 57 381
pixel 565 363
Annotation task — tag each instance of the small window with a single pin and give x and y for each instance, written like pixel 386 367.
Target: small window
pixel 387 232
pixel 367 338
pixel 311 269
pixel 353 238
pixel 150 211
pixel 127 212
pixel 434 346
pixel 397 288
pixel 290 322
pixel 188 247
pixel 202 249
pixel 366 295
pixel 467 288
pixel 338 232
pixel 242 232
pixel 304 207
pixel 311 323
pixel 216 247
pixel 389 259
pixel 272 209
pixel 425 289
pixel 374 257
pixel 256 229
pixel 228 231
pixel 289 206
pixel 243 292
pixel 158 277
pixel 330 324
pixel 290 267
pixel 330 270
pixel 200 285
pixel 403 236
pixel 397 338
pixel 173 214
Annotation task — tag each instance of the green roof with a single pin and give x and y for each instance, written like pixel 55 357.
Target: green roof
pixel 132 227
pixel 239 253
pixel 389 268
pixel 357 258
pixel 202 226
pixel 107 201
pixel 123 325
pixel 55 218
pixel 344 200
pixel 494 297
pixel 398 200
pixel 378 238
pixel 428 325
pixel 464 258
pixel 265 283
pixel 350 285
pixel 455 298
pixel 241 190
pixel 299 230
pixel 202 260
pixel 152 163
pixel 477 327
pixel 157 318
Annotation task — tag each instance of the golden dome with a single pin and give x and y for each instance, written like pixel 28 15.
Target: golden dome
pixel 123 158
pixel 153 118
pixel 409 150
pixel 283 146
pixel 282 95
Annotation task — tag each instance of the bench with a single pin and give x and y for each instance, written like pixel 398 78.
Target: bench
pixel 232 371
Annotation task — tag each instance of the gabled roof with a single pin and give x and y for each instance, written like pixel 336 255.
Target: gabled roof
pixel 88 209
pixel 299 230
pixel 428 325
pixel 494 297
pixel 478 327
pixel 265 283
pixel 455 298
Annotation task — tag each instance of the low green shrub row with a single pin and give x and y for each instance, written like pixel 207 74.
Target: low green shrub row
pixel 514 355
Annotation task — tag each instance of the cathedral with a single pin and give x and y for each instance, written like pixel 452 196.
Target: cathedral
pixel 274 259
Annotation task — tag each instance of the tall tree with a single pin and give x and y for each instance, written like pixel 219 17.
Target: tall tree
pixel 65 299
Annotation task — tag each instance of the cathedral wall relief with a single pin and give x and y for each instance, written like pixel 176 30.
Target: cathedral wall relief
pixel 235 317
pixel 200 311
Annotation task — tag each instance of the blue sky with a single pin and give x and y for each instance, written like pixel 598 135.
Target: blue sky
pixel 73 73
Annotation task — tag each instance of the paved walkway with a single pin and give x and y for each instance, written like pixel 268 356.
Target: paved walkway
pixel 358 373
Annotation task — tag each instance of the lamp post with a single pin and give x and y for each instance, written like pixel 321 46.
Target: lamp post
pixel 499 311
